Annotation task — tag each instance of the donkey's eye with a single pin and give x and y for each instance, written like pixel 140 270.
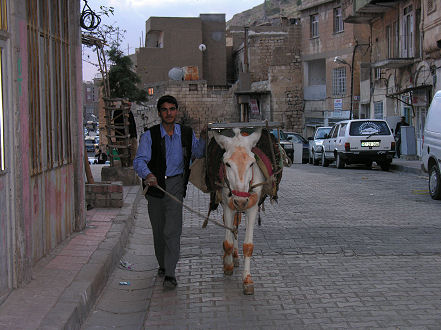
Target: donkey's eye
pixel 228 164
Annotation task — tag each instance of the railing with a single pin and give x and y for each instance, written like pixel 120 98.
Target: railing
pixel 403 46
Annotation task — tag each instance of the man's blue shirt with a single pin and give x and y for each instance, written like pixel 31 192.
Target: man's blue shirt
pixel 173 152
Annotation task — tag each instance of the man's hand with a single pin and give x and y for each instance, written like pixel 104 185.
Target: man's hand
pixel 151 180
pixel 203 134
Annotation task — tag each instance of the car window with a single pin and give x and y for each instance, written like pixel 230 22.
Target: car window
pixel 331 132
pixel 321 132
pixel 342 129
pixel 369 127
pixel 297 138
pixel 334 133
pixel 283 135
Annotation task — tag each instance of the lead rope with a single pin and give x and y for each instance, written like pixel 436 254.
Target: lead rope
pixel 217 223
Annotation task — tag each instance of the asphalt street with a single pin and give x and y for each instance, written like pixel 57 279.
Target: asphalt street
pixel 342 248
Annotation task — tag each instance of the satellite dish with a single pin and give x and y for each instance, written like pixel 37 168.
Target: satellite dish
pixel 176 73
pixel 202 47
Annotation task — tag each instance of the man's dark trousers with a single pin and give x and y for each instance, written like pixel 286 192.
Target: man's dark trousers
pixel 166 219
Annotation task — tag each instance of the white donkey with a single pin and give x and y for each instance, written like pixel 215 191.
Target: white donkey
pixel 241 191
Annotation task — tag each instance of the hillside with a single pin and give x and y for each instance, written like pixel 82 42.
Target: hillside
pixel 265 12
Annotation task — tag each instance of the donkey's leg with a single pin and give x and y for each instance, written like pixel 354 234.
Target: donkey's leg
pixel 228 242
pixel 248 246
pixel 236 223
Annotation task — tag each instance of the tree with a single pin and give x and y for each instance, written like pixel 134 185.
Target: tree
pixel 122 79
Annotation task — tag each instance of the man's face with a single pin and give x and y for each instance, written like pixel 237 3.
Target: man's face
pixel 168 112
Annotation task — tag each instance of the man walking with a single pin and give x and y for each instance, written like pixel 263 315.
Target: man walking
pixel 401 123
pixel 163 158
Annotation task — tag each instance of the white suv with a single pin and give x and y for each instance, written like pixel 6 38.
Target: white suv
pixel 359 141
pixel 431 150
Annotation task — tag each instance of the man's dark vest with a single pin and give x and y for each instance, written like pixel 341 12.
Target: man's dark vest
pixel 157 163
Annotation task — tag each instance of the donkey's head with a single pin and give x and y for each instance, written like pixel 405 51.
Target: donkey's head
pixel 238 165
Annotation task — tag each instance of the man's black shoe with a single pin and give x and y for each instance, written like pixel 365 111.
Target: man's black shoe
pixel 161 272
pixel 170 282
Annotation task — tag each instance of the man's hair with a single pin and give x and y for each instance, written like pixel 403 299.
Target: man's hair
pixel 166 99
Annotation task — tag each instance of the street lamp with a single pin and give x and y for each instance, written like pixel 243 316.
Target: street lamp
pixel 342 61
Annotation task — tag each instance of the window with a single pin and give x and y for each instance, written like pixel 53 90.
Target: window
pixel 408 32
pixel 314 26
pixel 338 20
pixel 334 133
pixel 49 84
pixel 342 129
pixel 430 6
pixel 377 73
pixel 339 81
pixel 368 127
pixel 378 110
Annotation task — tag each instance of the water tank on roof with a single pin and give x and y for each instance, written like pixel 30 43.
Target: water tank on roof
pixel 176 73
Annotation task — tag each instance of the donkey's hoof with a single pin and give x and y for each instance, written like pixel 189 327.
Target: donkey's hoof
pixel 228 272
pixel 248 289
pixel 228 269
pixel 236 262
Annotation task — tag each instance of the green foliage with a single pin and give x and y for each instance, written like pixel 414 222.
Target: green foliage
pixel 122 79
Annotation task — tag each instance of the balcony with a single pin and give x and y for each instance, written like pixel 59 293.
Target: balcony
pixel 364 11
pixel 395 54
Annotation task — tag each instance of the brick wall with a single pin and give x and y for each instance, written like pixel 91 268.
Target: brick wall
pixel 104 194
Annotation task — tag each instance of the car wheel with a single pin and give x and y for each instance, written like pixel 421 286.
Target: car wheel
pixel 435 182
pixel 368 165
pixel 385 166
pixel 339 162
pixel 315 160
pixel 324 161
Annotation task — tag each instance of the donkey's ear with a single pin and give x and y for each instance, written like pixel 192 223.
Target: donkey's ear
pixel 221 140
pixel 254 137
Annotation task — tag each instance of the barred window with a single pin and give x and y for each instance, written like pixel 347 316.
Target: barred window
pixel 314 26
pixel 49 84
pixel 338 20
pixel 378 110
pixel 430 6
pixel 339 81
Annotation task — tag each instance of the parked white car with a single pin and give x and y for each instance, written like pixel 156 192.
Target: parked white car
pixel 316 144
pixel 359 141
pixel 431 150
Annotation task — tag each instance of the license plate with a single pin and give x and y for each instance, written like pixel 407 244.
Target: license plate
pixel 370 143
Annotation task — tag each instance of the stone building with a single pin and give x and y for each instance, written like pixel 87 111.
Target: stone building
pixel 42 199
pixel 403 71
pixel 272 91
pixel 197 42
pixel 331 87
pixel 267 65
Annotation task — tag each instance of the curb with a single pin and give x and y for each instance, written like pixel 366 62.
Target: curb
pixel 407 169
pixel 77 300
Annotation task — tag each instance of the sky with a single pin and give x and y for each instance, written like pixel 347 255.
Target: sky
pixel 131 15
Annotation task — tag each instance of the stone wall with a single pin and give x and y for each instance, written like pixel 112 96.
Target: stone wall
pixel 198 104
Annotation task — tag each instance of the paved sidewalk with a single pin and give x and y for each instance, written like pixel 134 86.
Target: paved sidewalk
pixel 409 166
pixel 66 284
